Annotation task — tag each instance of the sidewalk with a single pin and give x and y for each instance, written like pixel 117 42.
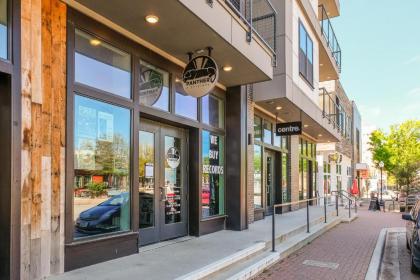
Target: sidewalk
pixel 172 259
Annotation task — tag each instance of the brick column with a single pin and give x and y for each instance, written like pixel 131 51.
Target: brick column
pixel 250 157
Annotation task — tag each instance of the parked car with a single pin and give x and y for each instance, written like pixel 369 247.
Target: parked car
pixel 410 201
pixel 101 218
pixel 413 235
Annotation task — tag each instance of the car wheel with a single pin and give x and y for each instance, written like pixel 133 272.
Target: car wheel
pixel 413 267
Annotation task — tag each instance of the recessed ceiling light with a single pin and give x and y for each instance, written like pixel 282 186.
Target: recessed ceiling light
pixel 328 141
pixel 95 42
pixel 279 108
pixel 306 125
pixel 321 64
pixel 227 68
pixel 320 135
pixel 328 77
pixel 177 80
pixel 152 19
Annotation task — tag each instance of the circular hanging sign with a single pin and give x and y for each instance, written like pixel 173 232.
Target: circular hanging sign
pixel 173 157
pixel 200 76
pixel 151 85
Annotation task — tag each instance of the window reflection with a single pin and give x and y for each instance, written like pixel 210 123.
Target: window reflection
pixel 102 66
pixel 146 179
pixel 257 129
pixel 268 131
pixel 257 176
pixel 102 168
pixel 154 86
pixel 213 110
pixel 185 105
pixel 3 29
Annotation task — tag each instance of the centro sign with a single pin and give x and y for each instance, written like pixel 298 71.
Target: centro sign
pixel 292 128
pixel 200 76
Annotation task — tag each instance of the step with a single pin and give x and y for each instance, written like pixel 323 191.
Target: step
pixel 258 263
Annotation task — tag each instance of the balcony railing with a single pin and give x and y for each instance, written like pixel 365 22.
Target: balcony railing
pixel 330 109
pixel 260 17
pixel 328 33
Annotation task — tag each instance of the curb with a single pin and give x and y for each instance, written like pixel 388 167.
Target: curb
pixel 375 261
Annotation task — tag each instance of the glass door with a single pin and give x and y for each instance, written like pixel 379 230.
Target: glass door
pixel 162 182
pixel 269 181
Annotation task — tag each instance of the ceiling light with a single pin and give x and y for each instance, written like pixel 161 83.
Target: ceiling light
pixel 279 108
pixel 95 42
pixel 328 77
pixel 321 64
pixel 319 135
pixel 177 80
pixel 227 68
pixel 306 125
pixel 152 19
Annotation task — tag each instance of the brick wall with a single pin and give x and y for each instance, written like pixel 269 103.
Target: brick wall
pixel 250 151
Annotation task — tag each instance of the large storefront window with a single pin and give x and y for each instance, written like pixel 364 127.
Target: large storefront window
pixel 307 169
pixel 102 66
pixel 101 168
pixel 213 181
pixel 3 29
pixel 258 176
pixel 153 86
pixel 286 191
pixel 213 111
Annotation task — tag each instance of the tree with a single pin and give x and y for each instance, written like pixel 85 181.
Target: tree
pixel 399 150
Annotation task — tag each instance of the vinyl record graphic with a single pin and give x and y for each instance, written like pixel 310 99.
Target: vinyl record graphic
pixel 200 76
pixel 151 85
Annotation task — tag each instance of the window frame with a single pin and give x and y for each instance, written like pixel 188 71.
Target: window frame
pixel 6 63
pixel 305 76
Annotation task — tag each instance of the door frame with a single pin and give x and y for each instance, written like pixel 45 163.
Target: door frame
pixel 268 209
pixel 157 232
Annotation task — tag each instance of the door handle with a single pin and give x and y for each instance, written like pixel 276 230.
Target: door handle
pixel 162 193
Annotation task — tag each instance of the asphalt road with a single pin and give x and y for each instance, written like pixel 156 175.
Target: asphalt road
pixel 404 260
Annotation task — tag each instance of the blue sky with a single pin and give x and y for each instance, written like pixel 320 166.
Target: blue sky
pixel 380 43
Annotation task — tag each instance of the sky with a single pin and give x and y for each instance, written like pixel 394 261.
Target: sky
pixel 380 44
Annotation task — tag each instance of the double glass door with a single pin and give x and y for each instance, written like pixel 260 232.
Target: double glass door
pixel 270 180
pixel 162 182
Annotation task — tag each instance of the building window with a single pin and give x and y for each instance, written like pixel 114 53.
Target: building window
pixel 307 170
pixel 285 186
pixel 268 132
pixel 4 42
pixel 101 190
pixel 213 180
pixel 258 176
pixel 257 128
pixel 306 67
pixel 153 86
pixel 185 105
pixel 213 111
pixel 102 66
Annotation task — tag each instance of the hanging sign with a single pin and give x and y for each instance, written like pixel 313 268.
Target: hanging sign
pixel 151 85
pixel 291 128
pixel 200 76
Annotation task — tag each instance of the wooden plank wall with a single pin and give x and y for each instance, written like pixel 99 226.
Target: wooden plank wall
pixel 43 53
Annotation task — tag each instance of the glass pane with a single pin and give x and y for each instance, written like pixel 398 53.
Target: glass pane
pixel 305 178
pixel 257 176
pixel 102 66
pixel 213 110
pixel 302 38
pixel 186 105
pixel 146 179
pixel 102 168
pixel 173 187
pixel 257 129
pixel 213 188
pixel 3 29
pixel 154 86
pixel 285 142
pixel 284 179
pixel 268 132
pixel 310 48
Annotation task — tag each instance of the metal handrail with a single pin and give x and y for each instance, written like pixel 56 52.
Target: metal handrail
pixel 273 220
pixel 329 34
pixel 330 108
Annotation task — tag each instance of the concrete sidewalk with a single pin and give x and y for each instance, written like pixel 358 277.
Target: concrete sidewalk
pixel 172 259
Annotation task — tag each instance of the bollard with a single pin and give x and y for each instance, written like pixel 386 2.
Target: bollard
pixel 307 216
pixel 325 210
pixel 336 203
pixel 273 231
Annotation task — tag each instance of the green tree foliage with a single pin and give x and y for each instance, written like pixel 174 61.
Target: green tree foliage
pixel 399 150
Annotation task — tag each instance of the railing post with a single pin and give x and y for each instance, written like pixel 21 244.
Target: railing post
pixel 307 216
pixel 336 203
pixel 355 205
pixel 325 210
pixel 273 231
pixel 349 208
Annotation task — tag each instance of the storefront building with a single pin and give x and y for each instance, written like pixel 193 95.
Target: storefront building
pixel 125 127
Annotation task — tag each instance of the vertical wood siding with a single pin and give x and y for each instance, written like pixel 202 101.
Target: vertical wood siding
pixel 43 52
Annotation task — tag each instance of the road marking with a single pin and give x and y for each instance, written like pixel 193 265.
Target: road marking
pixel 329 265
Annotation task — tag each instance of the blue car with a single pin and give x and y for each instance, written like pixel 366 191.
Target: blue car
pixel 413 236
pixel 102 218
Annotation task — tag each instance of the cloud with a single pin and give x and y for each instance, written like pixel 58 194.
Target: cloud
pixel 412 60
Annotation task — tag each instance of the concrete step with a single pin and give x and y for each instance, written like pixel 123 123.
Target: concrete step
pixel 259 256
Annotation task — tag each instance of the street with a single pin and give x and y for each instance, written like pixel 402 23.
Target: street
pixel 344 252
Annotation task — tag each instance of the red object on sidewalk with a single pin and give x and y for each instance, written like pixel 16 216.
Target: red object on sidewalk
pixel 355 189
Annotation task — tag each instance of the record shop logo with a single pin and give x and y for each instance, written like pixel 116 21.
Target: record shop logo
pixel 292 128
pixel 151 85
pixel 173 157
pixel 200 76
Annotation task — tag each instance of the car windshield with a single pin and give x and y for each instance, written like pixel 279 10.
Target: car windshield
pixel 115 201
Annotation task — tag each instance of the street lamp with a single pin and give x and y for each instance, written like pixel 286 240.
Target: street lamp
pixel 381 165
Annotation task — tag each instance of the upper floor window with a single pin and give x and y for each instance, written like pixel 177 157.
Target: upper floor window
pixel 3 30
pixel 153 86
pixel 102 66
pixel 185 105
pixel 213 111
pixel 306 55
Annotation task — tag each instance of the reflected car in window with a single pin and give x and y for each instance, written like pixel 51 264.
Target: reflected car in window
pixel 104 217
